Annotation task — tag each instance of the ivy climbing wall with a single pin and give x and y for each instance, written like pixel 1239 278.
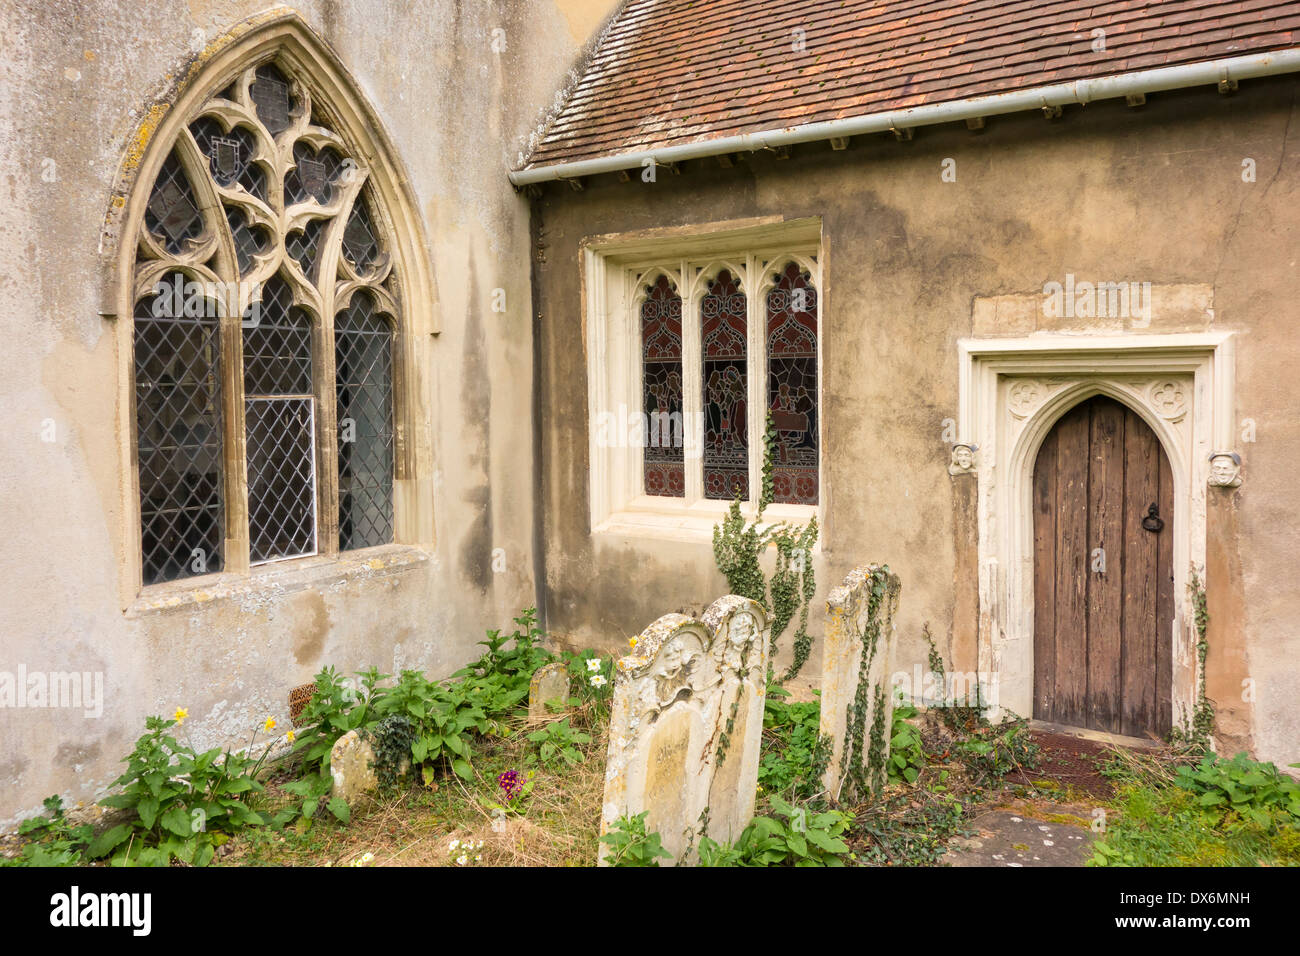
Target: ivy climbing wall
pixel 857 660
pixel 686 725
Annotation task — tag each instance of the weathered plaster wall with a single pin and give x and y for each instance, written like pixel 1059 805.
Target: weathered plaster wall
pixel 75 80
pixel 1107 193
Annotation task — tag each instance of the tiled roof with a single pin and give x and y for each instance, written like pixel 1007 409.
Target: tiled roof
pixel 671 72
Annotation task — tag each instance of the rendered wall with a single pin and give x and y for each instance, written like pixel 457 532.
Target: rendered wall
pixel 1107 193
pixel 78 79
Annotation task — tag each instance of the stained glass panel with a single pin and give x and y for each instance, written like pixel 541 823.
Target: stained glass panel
pixel 792 385
pixel 363 341
pixel 178 437
pixel 726 389
pixel 313 174
pixel 661 362
pixel 230 155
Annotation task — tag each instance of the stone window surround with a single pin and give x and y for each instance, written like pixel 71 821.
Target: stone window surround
pixel 689 256
pixel 283 36
pixel 1009 426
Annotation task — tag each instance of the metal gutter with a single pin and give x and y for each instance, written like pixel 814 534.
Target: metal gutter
pixel 1211 72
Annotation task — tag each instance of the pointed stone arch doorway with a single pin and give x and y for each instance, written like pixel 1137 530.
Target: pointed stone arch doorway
pixel 1103 510
pixel 1013 391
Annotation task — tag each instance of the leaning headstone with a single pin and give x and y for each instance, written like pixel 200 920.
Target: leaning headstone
pixel 857 699
pixel 686 724
pixel 352 764
pixel 550 683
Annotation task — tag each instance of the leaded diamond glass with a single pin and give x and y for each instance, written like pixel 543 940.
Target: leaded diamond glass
pixel 178 439
pixel 249 240
pixel 172 214
pixel 360 245
pixel 277 344
pixel 304 244
pixel 364 367
pixel 271 98
pixel 281 478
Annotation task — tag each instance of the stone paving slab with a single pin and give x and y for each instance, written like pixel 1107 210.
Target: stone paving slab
pixel 1010 838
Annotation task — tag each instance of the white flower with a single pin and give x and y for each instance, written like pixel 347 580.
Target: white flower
pixel 451 848
pixel 597 680
pixel 462 860
pixel 478 858
pixel 367 858
pixel 593 664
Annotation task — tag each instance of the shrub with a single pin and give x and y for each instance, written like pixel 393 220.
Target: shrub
pixel 630 845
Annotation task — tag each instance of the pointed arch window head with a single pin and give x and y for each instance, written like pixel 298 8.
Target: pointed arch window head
pixel 266 311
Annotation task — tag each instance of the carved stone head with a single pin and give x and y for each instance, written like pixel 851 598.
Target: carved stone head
pixel 1225 469
pixel 963 459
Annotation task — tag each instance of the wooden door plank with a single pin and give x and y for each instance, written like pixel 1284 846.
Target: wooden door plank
pixel 1141 489
pixel 1105 563
pixel 1071 567
pixel 1164 643
pixel 1045 508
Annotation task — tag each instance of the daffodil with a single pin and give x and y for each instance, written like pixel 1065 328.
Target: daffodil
pixel 593 664
pixel 597 680
pixel 631 642
pixel 269 725
pixel 180 715
pixel 290 737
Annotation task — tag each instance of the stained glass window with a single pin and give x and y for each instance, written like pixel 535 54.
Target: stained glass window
pixel 792 385
pixel 723 323
pixel 246 176
pixel 661 363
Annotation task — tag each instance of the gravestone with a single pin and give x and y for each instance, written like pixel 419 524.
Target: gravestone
pixel 550 683
pixel 857 697
pixel 686 724
pixel 352 765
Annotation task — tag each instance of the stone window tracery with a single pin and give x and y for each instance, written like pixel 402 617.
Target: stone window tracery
pixel 266 311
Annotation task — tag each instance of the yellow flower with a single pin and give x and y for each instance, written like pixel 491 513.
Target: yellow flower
pixel 289 737
pixel 269 725
pixel 180 715
pixel 631 642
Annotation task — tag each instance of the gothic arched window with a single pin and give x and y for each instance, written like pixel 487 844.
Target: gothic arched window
pixel 266 313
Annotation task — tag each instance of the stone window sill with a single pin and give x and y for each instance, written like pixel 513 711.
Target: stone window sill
pixel 281 577
pixel 693 523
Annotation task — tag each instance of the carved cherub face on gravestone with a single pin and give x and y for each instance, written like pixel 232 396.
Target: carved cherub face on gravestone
pixel 739 633
pixel 672 675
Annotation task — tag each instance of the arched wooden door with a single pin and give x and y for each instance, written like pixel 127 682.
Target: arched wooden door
pixel 1103 573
